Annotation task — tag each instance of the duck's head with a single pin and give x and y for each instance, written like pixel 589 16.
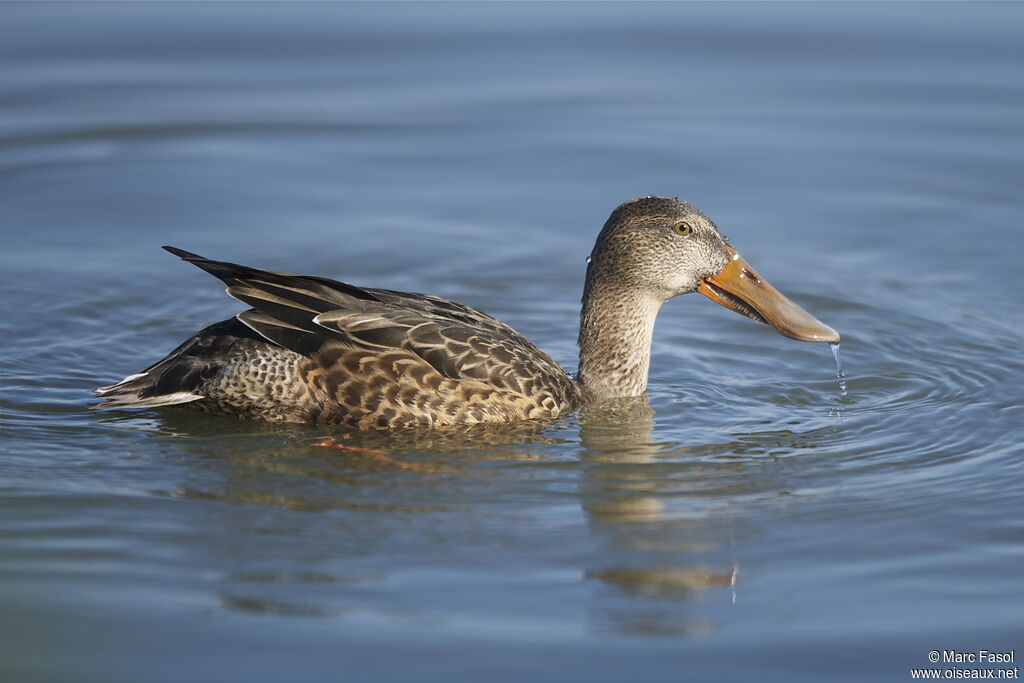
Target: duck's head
pixel 665 247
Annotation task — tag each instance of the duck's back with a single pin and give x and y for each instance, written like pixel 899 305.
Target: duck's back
pixel 316 350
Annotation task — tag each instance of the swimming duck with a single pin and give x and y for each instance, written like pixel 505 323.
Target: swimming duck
pixel 311 349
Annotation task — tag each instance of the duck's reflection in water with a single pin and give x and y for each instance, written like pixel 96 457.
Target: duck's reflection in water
pixel 655 543
pixel 660 556
pixel 290 527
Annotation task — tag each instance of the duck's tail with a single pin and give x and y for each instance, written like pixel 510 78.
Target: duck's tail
pixel 140 391
pixel 180 376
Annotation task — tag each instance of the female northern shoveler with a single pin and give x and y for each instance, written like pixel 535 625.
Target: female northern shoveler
pixel 316 350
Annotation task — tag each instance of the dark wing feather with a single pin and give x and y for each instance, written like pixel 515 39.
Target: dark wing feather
pixel 306 313
pixel 232 273
pixel 284 305
pixel 281 333
pixel 442 309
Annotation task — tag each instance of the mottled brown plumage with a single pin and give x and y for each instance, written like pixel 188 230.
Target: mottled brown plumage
pixel 316 350
pixel 311 349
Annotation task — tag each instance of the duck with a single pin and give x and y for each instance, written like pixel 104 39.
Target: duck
pixel 310 349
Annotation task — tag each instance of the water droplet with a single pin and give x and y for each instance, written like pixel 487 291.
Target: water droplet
pixel 840 375
pixel 588 260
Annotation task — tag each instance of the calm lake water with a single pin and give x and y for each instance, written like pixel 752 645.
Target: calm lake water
pixel 752 524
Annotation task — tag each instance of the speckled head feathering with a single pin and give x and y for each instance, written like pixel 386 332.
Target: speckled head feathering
pixel 640 247
pixel 311 349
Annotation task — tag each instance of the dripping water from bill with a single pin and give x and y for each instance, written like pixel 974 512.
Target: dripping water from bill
pixel 840 375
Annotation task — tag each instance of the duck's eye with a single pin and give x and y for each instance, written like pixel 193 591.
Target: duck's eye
pixel 682 228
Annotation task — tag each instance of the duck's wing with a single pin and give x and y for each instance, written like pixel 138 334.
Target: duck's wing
pixel 314 315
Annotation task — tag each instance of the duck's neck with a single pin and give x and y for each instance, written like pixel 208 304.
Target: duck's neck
pixel 616 326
